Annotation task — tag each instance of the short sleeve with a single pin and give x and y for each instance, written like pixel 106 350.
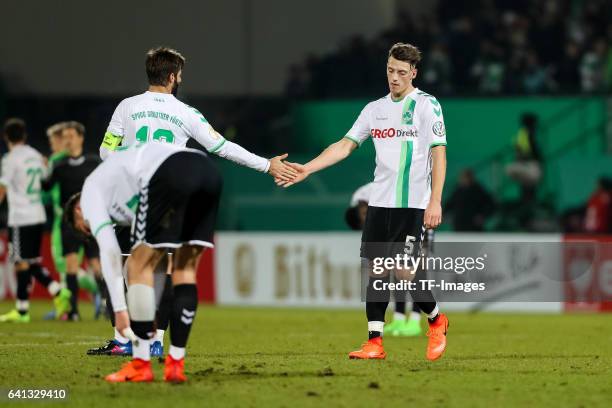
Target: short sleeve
pixel 202 132
pixel 435 131
pixel 361 128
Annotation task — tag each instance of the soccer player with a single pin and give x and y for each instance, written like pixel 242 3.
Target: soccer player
pixel 355 217
pixel 70 174
pixel 157 115
pixel 173 213
pixel 408 132
pixel 52 198
pixel 22 170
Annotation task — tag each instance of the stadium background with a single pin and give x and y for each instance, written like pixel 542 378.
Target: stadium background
pixel 284 76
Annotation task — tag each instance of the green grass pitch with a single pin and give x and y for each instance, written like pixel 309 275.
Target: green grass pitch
pixel 252 357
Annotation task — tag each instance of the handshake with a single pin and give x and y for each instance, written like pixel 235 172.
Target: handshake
pixel 286 173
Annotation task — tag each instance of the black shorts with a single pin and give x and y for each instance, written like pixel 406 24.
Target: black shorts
pixel 391 231
pixel 124 238
pixel 25 243
pixel 179 205
pixel 72 242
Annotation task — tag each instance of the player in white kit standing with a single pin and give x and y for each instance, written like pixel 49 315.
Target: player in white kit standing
pixel 407 128
pixel 22 170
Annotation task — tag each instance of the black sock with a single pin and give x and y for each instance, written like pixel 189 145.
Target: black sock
pixel 423 298
pixel 165 305
pixel 376 303
pixel 183 312
pixel 72 284
pixel 416 308
pixel 40 275
pixel 23 284
pixel 142 329
pixel 400 307
pixel 110 313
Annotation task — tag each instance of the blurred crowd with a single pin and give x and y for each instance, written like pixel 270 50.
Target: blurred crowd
pixel 481 46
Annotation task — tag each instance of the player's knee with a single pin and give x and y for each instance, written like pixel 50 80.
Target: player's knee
pixel 187 257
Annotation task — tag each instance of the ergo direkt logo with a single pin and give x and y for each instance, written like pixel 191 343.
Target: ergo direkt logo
pixel 391 132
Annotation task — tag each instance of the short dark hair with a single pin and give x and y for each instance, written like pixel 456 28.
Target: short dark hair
pixel 14 130
pixel 69 207
pixel 161 62
pixel 405 52
pixel 78 126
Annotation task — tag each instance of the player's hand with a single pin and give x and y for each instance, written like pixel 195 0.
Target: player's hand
pixel 280 170
pixel 302 173
pixel 433 215
pixel 122 320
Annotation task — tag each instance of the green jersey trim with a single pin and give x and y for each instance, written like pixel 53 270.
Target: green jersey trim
pixel 217 147
pixel 352 139
pixel 408 111
pixel 104 224
pixel 403 175
pixel 437 144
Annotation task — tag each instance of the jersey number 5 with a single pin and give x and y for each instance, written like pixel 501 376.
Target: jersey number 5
pixel 160 135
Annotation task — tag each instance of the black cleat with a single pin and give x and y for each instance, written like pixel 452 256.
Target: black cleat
pixel 105 350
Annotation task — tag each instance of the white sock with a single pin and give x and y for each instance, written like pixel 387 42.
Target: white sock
pixel 142 349
pixel 433 313
pixel 159 336
pixel 120 338
pixel 399 316
pixel 177 353
pixel 22 305
pixel 415 316
pixel 54 288
pixel 376 326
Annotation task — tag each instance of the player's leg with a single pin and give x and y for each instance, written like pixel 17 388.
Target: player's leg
pixel 26 253
pixel 424 299
pixel 185 303
pixel 92 253
pixel 141 307
pixel 21 313
pixel 71 244
pixel 377 293
pixel 164 301
pixel 196 221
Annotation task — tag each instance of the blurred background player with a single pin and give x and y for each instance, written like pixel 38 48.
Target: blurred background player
pixel 51 198
pixel 22 170
pixel 409 137
pixel 173 213
pixel 69 174
pixel 355 217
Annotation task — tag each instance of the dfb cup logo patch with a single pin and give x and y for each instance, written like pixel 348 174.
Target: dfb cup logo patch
pixel 439 129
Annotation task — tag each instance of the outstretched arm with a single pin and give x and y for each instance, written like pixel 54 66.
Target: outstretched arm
pixel 333 154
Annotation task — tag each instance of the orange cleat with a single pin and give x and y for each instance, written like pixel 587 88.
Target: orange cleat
pixel 136 370
pixel 371 349
pixel 437 337
pixel 175 370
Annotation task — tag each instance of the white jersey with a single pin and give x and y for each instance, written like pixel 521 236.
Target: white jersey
pixel 23 168
pixel 160 117
pixel 403 133
pixel 110 193
pixel 110 196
